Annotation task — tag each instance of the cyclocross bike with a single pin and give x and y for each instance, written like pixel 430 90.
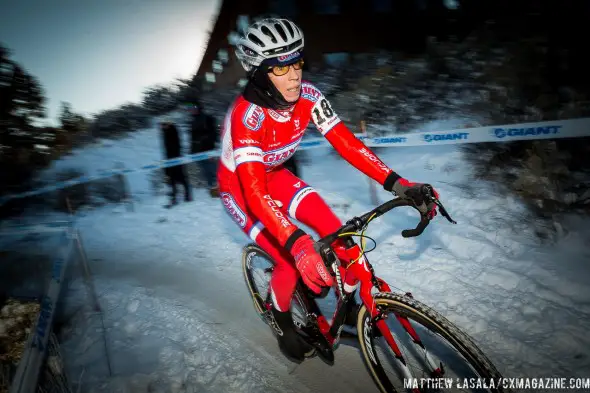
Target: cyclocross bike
pixel 415 344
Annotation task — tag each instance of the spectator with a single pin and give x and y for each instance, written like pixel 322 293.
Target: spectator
pixel 174 174
pixel 204 135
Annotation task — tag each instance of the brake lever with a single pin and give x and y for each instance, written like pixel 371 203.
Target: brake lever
pixel 428 193
pixel 444 212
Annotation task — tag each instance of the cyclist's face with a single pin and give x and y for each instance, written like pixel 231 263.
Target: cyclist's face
pixel 289 84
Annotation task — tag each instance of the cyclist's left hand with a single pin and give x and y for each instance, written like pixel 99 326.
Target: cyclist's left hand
pixel 407 189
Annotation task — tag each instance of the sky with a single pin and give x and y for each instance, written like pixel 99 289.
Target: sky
pixel 101 54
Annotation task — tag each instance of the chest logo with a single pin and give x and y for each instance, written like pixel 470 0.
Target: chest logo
pixel 253 117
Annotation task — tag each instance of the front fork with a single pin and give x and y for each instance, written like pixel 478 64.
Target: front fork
pixel 362 271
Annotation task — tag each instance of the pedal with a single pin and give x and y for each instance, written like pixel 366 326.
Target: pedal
pixel 323 350
pixel 315 338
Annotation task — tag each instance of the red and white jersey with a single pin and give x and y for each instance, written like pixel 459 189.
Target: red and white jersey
pixel 256 140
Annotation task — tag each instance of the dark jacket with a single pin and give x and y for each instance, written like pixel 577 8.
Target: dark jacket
pixel 171 141
pixel 203 133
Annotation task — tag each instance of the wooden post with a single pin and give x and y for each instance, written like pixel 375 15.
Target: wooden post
pixel 124 184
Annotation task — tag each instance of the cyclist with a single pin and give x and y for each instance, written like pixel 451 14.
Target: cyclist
pixel 261 131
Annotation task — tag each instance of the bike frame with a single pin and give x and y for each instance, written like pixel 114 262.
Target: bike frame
pixel 361 272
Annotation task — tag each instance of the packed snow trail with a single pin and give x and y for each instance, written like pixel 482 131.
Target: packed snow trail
pixel 191 323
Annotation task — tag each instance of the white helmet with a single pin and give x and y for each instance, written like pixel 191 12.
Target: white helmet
pixel 271 38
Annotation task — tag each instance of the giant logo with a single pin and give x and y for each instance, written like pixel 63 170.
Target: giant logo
pixel 446 137
pixel 233 209
pixel 526 131
pixel 310 93
pixel 281 155
pixel 253 117
pixel 400 139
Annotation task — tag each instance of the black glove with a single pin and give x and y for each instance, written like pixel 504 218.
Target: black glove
pixel 406 189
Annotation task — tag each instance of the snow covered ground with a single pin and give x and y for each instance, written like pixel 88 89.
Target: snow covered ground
pixel 178 317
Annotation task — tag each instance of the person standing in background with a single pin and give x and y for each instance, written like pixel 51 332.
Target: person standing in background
pixel 174 174
pixel 204 135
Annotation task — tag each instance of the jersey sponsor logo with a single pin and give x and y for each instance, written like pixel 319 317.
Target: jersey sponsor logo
pixel 310 93
pixel 373 158
pixel 253 117
pixel 282 219
pixel 281 155
pixel 298 134
pixel 299 196
pixel 233 209
pixel 446 137
pixel 526 131
pixel 288 57
pixel 248 142
pixel 247 154
pixel 280 116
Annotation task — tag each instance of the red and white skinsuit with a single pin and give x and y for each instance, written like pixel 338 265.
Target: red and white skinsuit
pixel 260 194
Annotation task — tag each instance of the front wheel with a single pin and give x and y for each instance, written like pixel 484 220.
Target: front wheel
pixel 428 353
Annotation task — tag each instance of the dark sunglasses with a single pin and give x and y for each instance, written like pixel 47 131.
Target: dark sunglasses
pixel 280 70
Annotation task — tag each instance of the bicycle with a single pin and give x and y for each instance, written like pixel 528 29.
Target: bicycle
pixel 371 320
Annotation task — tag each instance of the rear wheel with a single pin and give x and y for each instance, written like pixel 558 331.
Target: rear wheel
pixel 258 267
pixel 413 342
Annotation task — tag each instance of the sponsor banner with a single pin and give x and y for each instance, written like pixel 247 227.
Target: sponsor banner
pixel 573 128
pixel 505 133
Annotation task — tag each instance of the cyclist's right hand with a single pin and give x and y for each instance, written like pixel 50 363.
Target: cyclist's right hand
pixel 310 264
pixel 414 191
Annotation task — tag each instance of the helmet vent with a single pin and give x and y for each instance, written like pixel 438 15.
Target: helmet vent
pixel 256 40
pixel 281 31
pixel 266 31
pixel 291 32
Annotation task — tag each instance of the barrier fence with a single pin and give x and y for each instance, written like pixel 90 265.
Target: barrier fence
pixel 573 128
pixel 27 373
pixel 41 342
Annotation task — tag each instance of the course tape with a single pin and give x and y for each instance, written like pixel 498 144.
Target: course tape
pixel 505 133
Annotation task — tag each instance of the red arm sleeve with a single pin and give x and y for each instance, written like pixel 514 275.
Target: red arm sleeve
pixel 341 138
pixel 357 153
pixel 247 126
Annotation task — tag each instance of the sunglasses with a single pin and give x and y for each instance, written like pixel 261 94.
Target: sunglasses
pixel 280 70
